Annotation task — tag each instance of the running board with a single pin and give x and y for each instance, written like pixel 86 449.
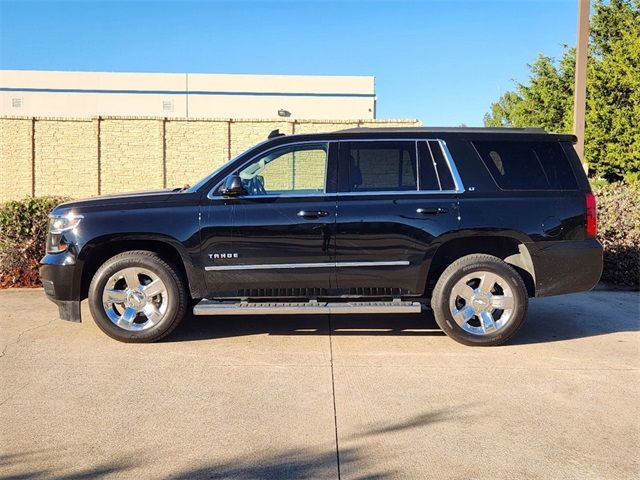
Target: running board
pixel 212 307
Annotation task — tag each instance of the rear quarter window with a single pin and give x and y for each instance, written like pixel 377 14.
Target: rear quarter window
pixel 518 165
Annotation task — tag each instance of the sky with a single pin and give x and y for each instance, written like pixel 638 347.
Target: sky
pixel 442 62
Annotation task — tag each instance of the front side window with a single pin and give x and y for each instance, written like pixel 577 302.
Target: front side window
pixel 382 166
pixel 293 169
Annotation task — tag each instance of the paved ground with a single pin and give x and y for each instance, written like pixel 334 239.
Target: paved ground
pixel 318 397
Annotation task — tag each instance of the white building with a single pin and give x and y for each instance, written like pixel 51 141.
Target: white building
pixel 90 94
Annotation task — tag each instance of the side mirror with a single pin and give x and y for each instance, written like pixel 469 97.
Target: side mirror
pixel 233 186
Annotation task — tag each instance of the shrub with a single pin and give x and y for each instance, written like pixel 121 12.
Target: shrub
pixel 23 227
pixel 619 231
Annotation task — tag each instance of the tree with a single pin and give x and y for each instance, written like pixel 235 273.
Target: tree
pixel 612 137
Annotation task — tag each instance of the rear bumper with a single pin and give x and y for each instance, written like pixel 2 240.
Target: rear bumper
pixel 566 266
pixel 59 275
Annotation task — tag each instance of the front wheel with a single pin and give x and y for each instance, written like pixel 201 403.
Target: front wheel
pixel 480 300
pixel 137 297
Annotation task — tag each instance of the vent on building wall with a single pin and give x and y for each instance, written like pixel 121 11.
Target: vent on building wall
pixel 16 102
pixel 167 105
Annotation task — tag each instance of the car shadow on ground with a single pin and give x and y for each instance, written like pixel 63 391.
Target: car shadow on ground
pixel 274 463
pixel 548 320
pixel 221 326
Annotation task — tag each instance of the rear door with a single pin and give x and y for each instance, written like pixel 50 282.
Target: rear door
pixel 279 237
pixel 395 198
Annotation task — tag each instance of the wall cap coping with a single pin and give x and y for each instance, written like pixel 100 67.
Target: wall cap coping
pixel 214 119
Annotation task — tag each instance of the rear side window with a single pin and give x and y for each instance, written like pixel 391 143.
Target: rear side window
pixel 527 165
pixel 434 171
pixel 382 166
pixel 556 166
pixel 428 176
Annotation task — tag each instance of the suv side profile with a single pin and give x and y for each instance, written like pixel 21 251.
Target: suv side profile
pixel 471 222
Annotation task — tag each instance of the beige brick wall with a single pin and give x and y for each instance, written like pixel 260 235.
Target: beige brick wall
pixel 245 134
pixel 85 157
pixel 66 158
pixel 131 155
pixel 194 149
pixel 322 127
pixel 15 158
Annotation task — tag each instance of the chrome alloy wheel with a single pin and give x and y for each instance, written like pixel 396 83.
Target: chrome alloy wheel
pixel 481 303
pixel 135 298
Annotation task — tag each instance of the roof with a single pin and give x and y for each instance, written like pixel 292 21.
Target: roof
pixel 470 133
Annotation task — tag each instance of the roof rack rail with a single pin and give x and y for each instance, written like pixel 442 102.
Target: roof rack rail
pixel 505 130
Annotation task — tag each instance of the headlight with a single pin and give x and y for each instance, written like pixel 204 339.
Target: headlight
pixel 62 223
pixel 58 224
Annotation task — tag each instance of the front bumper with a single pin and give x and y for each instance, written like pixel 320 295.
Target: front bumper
pixel 566 266
pixel 60 278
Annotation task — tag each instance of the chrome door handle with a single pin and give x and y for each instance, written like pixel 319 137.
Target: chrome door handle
pixel 312 214
pixel 431 211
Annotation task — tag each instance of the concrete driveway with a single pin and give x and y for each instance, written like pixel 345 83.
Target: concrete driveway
pixel 318 397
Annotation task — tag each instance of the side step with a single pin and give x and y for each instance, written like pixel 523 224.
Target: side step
pixel 213 307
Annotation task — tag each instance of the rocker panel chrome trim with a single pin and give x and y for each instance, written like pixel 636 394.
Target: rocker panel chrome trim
pixel 274 266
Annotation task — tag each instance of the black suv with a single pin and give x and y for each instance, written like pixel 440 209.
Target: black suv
pixel 469 221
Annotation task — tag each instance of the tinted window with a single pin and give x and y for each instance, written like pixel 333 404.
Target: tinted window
pixel 428 177
pixel 527 165
pixel 556 166
pixel 381 166
pixel 444 174
pixel 294 169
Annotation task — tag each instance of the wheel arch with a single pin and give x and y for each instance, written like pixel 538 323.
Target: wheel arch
pixel 508 248
pixel 99 250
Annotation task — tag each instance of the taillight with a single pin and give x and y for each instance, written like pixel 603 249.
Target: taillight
pixel 592 215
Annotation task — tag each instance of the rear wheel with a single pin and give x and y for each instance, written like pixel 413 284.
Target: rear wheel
pixel 480 300
pixel 137 297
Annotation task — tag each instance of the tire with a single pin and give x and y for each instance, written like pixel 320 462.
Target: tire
pixel 467 298
pixel 137 297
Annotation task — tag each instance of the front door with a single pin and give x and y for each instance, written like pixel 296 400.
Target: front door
pixel 395 198
pixel 277 238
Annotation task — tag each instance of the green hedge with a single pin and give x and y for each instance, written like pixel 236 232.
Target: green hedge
pixel 23 227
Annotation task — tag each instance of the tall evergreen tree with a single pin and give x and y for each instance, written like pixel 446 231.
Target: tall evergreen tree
pixel 612 137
